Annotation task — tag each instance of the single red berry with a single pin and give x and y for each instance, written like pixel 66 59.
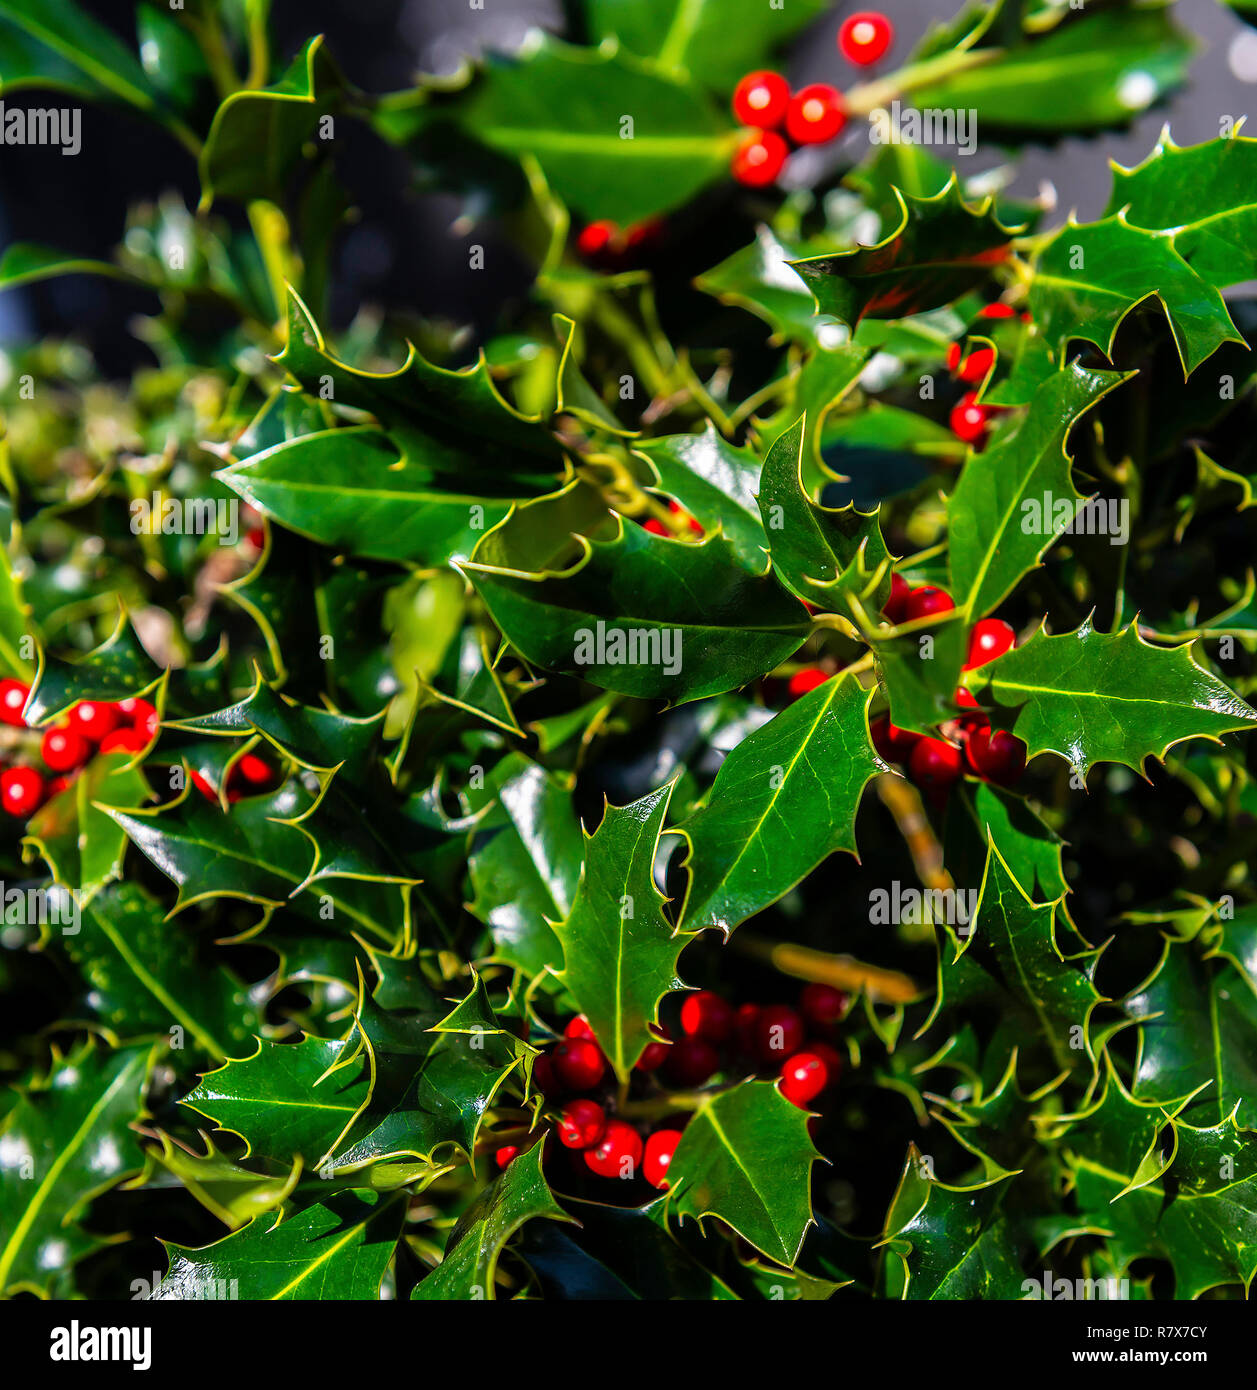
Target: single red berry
pixel 59 783
pixel 807 679
pixel 759 158
pixel 761 100
pixel 748 1017
pixel 544 1077
pixel 831 1057
pixel 581 1124
pixel 779 1033
pixel 974 717
pixel 255 537
pixel 503 1156
pixel 691 1062
pixel 578 1027
pixel 618 1153
pixel 13 696
pixel 803 1077
pixel 656 1053
pixel 93 719
pixel 597 240
pixel 893 744
pixel 953 357
pixel 899 591
pixel 817 114
pixel 998 310
pixel 996 755
pixel 969 420
pixel 975 367
pixel 140 714
pixel 254 771
pixel 125 741
pixel 822 1005
pixel 655 527
pixel 660 1147
pixel 926 601
pixel 579 1063
pixel 707 1015
pixel 21 790
pixel 865 38
pixel 935 764
pixel 991 637
pixel 63 748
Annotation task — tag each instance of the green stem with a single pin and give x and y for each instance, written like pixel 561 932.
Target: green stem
pixel 869 96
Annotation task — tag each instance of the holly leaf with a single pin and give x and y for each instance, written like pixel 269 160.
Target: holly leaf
pixel 641 614
pixel 64 1142
pixel 1092 697
pixel 759 278
pixel 919 669
pixel 941 249
pixel 821 553
pixel 619 951
pixel 746 1158
pixel 469 1269
pixel 615 136
pixel 1090 276
pixel 999 526
pixel 784 800
pixel 336 1249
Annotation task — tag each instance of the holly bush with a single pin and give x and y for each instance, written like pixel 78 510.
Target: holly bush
pixel 722 779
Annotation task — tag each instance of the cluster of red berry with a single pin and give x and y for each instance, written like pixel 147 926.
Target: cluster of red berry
pixel 935 763
pixel 796 1044
pixel 91 727
pixel 813 115
pixel 969 420
pixel 249 775
pixel 605 245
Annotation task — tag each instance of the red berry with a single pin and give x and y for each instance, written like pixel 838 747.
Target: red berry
pixel 761 99
pixel 125 741
pixel 656 1053
pixel 505 1154
pixel 63 748
pixel 866 37
pixel 807 679
pixel 255 771
pixel 618 1153
pixel 581 1124
pixel 899 591
pixel 991 637
pixel 803 1077
pixel 969 420
pixel 93 719
pixel 953 357
pixel 692 522
pixel 544 1077
pixel 21 790
pixel 778 1033
pixel 759 158
pixel 596 242
pixel 974 716
pixel 893 744
pixel 660 1147
pixel 59 784
pixel 141 714
pixel 707 1015
pixel 817 114
pixel 998 310
pixel 691 1062
pixel 578 1027
pixel 831 1057
pixel 202 784
pixel 13 695
pixel 656 528
pixel 748 1017
pixel 644 236
pixel 925 602
pixel 975 367
pixel 935 763
pixel 579 1063
pixel 822 1005
pixel 996 755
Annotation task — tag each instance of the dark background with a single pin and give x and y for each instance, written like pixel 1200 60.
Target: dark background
pixel 401 252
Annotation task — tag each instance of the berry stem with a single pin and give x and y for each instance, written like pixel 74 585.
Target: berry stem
pixel 868 96
pixel 822 968
pixel 903 801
